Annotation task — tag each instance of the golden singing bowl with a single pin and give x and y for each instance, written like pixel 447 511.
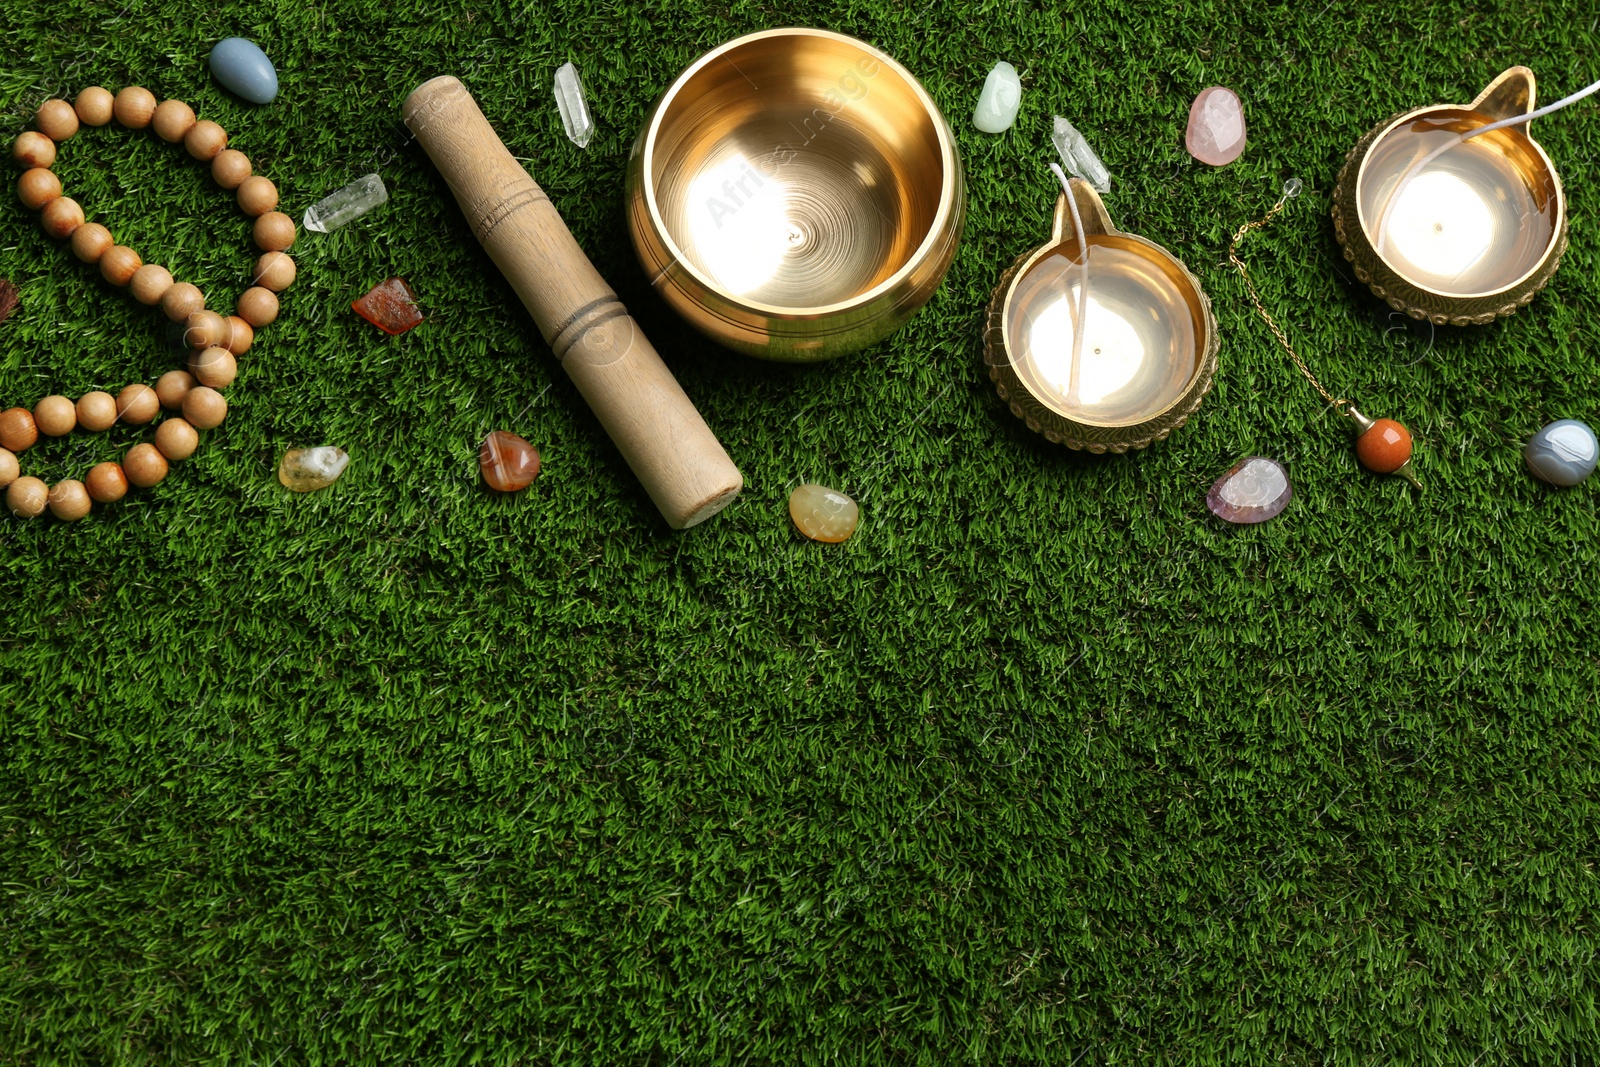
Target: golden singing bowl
pixel 1149 348
pixel 795 194
pixel 1473 233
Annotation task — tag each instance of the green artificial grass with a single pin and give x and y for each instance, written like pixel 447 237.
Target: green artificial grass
pixel 1044 765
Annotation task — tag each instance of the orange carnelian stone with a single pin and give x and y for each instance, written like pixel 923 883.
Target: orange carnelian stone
pixel 390 306
pixel 1385 447
pixel 508 462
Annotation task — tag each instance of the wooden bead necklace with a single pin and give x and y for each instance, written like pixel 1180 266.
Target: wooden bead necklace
pixel 215 341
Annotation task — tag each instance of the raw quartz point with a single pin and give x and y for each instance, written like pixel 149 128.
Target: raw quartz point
pixel 1079 157
pixel 1253 490
pixel 8 298
pixel 998 103
pixel 574 108
pixel 1216 127
pixel 345 206
pixel 306 470
pixel 508 462
pixel 823 514
pixel 390 305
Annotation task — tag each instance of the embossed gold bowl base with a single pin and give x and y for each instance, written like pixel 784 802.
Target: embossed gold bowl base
pixel 1149 348
pixel 1475 232
pixel 795 194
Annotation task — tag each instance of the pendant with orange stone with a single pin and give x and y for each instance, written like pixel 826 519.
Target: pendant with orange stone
pixel 1383 446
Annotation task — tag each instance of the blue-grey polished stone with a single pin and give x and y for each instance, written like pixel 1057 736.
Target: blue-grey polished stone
pixel 245 69
pixel 1563 453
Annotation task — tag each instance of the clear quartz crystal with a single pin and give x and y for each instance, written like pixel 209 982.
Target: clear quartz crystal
pixel 1291 188
pixel 1080 159
pixel 346 205
pixel 574 108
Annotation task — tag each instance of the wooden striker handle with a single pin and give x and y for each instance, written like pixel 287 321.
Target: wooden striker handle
pixel 653 423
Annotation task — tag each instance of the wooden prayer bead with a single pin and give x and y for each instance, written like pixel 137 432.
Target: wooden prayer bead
pixel 240 336
pixel 69 500
pixel 274 232
pixel 205 408
pixel 33 149
pixel 106 483
pixel 144 465
pixel 214 367
pixel 119 264
pixel 172 387
pixel 257 195
pixel 258 306
pixel 27 497
pixel 94 106
pixel 97 411
pixel 134 107
pixel 37 187
pixel 56 120
pixel 17 430
pixel 176 439
pixel 137 404
pixel 150 283
pixel 230 168
pixel 204 329
pixel 183 300
pixel 172 119
pixel 55 416
pixel 90 241
pixel 9 470
pixel 204 140
pixel 61 218
pixel 275 271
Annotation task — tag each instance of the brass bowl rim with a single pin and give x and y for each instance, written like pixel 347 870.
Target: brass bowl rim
pixel 947 186
pixel 1147 246
pixel 1465 109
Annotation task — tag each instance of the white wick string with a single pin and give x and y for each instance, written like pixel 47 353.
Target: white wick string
pixel 1082 316
pixel 1514 120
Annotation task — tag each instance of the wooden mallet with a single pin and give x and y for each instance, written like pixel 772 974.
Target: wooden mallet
pixel 653 423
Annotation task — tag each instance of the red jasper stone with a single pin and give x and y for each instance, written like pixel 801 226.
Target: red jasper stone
pixel 391 306
pixel 508 462
pixel 1385 447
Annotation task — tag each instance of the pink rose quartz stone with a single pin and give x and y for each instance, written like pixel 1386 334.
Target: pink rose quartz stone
pixel 1253 490
pixel 1216 127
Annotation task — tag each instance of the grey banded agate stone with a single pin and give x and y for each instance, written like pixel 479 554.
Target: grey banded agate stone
pixel 1563 453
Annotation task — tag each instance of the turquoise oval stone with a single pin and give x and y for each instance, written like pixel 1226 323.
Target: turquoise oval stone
pixel 245 69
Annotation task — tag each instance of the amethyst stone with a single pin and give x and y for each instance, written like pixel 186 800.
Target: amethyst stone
pixel 1253 490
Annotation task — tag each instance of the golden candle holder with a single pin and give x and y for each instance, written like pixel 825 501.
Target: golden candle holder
pixel 1148 351
pixel 1470 230
pixel 795 195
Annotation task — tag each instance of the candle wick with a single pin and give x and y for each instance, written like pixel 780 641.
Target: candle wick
pixel 1081 317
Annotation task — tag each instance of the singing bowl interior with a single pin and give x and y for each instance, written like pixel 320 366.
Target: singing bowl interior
pixel 1475 221
pixel 1144 338
pixel 796 172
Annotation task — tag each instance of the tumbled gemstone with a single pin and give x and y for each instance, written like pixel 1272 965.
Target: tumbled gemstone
pixel 8 298
pixel 823 514
pixel 1563 453
pixel 390 306
pixel 508 462
pixel 1253 490
pixel 1216 127
pixel 306 469
pixel 998 103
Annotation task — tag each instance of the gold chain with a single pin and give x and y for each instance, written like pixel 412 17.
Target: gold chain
pixel 1255 298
